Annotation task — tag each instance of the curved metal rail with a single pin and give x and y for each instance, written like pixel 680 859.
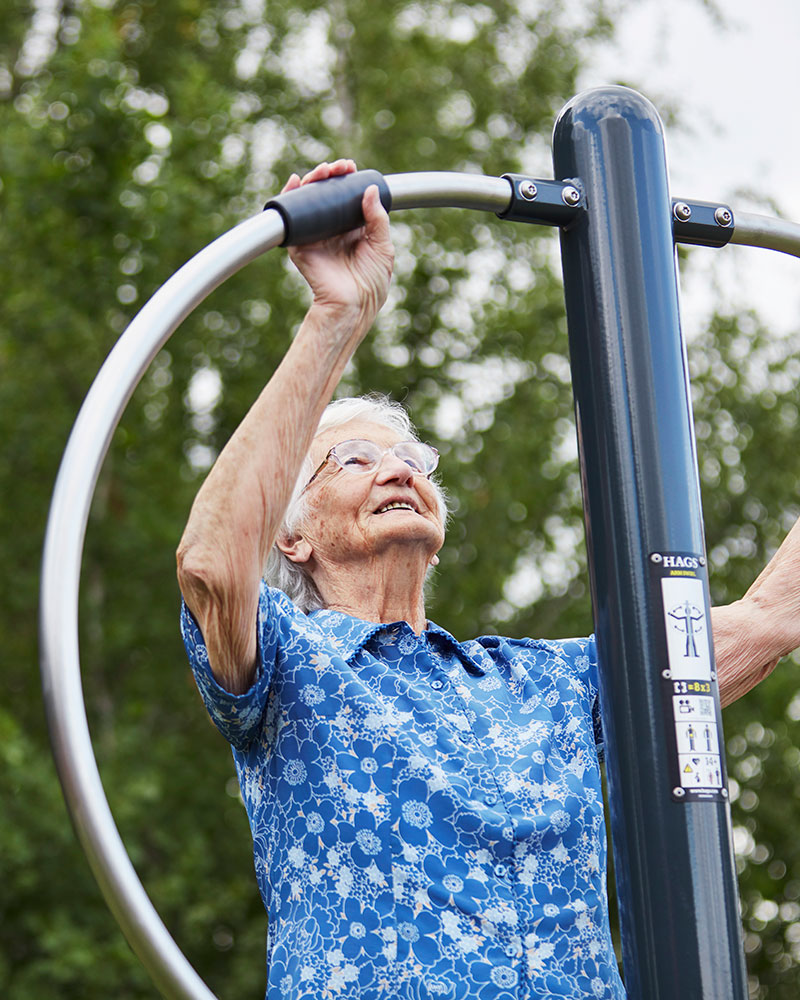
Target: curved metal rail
pixel 69 512
pixel 767 232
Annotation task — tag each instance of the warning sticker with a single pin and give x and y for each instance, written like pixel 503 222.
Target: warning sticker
pixel 687 627
pixel 700 770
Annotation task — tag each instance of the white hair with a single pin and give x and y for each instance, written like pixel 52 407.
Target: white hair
pixel 291 577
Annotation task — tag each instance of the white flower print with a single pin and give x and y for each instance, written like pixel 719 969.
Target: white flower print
pixel 368 842
pixel 503 976
pixel 312 694
pixel 408 932
pixel 297 856
pixel 375 875
pixel 294 771
pixel 453 883
pixel 450 924
pixel 417 814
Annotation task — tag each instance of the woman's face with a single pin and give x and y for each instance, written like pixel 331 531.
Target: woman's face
pixel 381 514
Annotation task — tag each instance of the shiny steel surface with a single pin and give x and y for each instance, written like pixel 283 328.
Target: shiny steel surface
pixel 442 188
pixel 765 231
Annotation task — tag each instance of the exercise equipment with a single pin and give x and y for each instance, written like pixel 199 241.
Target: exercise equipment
pixel 676 880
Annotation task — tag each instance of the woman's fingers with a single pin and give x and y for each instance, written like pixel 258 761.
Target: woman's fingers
pixel 291 184
pixel 376 218
pixel 374 212
pixel 321 172
pixel 324 170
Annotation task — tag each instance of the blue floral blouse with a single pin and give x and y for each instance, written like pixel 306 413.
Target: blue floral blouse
pixel 426 814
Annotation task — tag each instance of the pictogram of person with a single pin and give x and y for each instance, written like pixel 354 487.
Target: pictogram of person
pixel 686 615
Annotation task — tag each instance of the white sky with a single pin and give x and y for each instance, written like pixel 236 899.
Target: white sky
pixel 736 87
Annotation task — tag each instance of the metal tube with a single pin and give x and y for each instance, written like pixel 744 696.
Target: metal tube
pixel 672 841
pixel 442 188
pixel 764 231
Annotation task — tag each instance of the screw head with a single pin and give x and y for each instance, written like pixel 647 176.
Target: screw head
pixel 655 557
pixel 702 560
pixel 682 211
pixel 666 674
pixel 678 793
pixel 570 195
pixel 528 190
pixel 723 216
pixel 723 792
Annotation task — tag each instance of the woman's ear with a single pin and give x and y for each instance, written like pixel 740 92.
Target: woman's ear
pixel 295 547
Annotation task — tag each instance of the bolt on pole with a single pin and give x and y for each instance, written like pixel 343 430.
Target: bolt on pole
pixel 668 806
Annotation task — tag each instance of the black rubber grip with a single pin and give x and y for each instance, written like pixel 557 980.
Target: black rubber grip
pixel 327 208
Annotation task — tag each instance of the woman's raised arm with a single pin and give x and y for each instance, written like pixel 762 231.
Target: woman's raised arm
pixel 239 508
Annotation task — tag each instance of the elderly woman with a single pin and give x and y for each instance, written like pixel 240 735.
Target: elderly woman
pixel 426 813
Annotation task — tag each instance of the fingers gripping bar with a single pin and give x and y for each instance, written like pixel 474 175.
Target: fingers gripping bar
pixel 328 208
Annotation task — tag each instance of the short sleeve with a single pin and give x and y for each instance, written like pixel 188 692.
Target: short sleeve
pixel 237 716
pixel 597 720
pixel 582 653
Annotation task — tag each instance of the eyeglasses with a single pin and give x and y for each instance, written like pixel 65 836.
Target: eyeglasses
pixel 359 456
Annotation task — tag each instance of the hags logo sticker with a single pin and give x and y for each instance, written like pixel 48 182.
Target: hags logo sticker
pixel 676 562
pixel 681 562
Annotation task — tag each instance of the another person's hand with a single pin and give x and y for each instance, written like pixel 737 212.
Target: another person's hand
pixel 352 271
pixel 752 634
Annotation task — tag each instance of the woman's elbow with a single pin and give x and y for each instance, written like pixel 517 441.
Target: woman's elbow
pixel 195 570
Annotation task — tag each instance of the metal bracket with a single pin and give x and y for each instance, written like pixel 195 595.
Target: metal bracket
pixel 702 223
pixel 543 202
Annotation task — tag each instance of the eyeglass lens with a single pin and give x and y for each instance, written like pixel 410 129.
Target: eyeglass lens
pixel 363 456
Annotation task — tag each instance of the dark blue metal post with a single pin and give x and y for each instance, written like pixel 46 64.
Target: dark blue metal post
pixel 668 799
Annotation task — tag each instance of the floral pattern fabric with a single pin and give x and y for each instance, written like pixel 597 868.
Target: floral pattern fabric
pixel 426 814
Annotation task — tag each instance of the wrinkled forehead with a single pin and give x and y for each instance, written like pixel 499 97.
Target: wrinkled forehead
pixel 365 429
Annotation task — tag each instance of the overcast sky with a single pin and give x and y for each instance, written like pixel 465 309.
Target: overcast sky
pixel 736 86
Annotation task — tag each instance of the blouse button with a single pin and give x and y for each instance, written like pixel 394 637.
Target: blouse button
pixel 490 799
pixel 510 950
pixel 437 685
pixel 501 871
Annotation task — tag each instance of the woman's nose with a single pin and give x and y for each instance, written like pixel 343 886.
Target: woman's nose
pixel 393 468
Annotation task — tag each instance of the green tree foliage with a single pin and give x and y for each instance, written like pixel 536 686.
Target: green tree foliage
pixel 132 135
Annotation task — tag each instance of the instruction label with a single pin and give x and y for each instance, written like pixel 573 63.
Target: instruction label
pixel 686 625
pixel 688 678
